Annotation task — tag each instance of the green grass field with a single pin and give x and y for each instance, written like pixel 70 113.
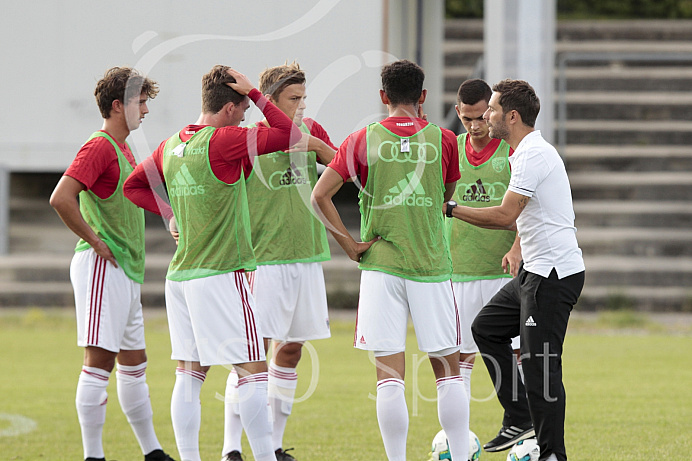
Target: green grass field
pixel 628 385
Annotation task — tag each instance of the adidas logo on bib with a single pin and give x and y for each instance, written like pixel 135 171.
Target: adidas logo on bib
pixel 530 322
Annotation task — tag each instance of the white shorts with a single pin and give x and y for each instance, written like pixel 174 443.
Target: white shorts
pixel 471 296
pixel 291 301
pixel 108 304
pixel 212 320
pixel 385 304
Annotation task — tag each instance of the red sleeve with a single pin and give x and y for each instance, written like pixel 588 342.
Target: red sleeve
pixel 282 132
pixel 319 132
pixel 450 157
pixel 231 146
pixel 350 160
pixel 96 166
pixel 145 186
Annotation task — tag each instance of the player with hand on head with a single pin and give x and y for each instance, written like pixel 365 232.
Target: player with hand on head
pixel 107 269
pixel 537 302
pixel 483 260
pixel 290 243
pixel 211 312
pixel 407 169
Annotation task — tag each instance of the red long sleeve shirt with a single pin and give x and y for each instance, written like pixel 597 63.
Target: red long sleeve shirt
pixel 230 148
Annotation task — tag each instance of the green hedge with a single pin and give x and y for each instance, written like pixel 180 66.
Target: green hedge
pixel 591 9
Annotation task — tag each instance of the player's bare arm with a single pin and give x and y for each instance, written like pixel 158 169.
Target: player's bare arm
pixel 64 201
pixel 503 216
pixel 329 184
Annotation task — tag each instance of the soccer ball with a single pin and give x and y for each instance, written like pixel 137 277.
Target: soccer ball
pixel 440 447
pixel 525 450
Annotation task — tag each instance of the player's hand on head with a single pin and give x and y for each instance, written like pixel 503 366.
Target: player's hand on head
pixel 242 84
pixel 103 251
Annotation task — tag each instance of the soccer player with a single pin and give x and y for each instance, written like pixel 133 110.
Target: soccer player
pixel 107 269
pixel 483 260
pixel 538 301
pixel 407 168
pixel 211 312
pixel 290 243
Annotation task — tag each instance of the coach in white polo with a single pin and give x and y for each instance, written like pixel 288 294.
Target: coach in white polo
pixel 537 303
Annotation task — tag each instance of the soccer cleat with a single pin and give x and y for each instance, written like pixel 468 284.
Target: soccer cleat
pixel 234 455
pixel 508 436
pixel 95 459
pixel 281 455
pixel 158 455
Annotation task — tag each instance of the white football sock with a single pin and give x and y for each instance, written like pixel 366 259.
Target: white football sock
pixel 465 369
pixel 232 426
pixel 186 412
pixel 453 412
pixel 133 393
pixel 91 402
pixel 282 391
pixel 552 458
pixel 392 416
pixel 254 413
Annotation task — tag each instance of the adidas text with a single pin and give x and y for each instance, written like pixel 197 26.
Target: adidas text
pixel 530 322
pixel 411 200
pixel 185 191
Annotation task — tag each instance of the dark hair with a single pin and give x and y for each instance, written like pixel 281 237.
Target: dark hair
pixel 122 84
pixel 274 80
pixel 472 91
pixel 520 96
pixel 215 92
pixel 402 82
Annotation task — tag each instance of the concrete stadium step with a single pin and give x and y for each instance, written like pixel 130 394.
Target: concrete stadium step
pixel 663 186
pixel 623 214
pixel 631 30
pixel 642 132
pixel 608 158
pixel 639 271
pixel 628 106
pixel 621 77
pixel 57 238
pixel 630 241
pixel 647 298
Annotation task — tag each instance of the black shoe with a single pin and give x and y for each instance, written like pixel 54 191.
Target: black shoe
pixel 281 455
pixel 508 436
pixel 234 455
pixel 157 455
pixel 95 459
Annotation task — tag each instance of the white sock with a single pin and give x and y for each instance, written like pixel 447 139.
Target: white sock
pixel 465 369
pixel 552 458
pixel 133 393
pixel 254 413
pixel 282 391
pixel 91 402
pixel 453 412
pixel 186 412
pixel 392 416
pixel 232 426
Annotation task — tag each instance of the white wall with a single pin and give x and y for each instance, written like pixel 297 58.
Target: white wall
pixel 53 53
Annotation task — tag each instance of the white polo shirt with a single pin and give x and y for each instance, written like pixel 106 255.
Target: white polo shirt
pixel 546 225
